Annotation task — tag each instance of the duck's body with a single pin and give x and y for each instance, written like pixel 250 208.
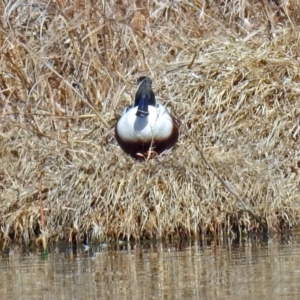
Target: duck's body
pixel 146 125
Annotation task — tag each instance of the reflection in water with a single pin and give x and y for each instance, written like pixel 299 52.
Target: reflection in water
pixel 250 271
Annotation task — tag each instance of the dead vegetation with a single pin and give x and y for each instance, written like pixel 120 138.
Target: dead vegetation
pixel 228 69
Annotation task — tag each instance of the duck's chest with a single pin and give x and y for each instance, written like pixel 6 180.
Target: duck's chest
pixel 157 125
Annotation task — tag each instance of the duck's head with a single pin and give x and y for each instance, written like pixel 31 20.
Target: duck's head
pixel 144 97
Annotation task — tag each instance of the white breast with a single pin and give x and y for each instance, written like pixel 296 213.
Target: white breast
pixel 157 125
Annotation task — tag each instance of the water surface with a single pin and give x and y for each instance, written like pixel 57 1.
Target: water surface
pixel 256 270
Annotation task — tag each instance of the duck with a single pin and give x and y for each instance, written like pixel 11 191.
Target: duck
pixel 146 126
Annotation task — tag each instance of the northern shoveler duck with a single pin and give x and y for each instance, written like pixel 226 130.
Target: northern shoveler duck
pixel 146 125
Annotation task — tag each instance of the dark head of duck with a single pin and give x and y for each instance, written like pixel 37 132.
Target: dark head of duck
pixel 144 97
pixel 146 114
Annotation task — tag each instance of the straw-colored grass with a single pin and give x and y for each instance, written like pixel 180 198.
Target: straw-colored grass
pixel 229 70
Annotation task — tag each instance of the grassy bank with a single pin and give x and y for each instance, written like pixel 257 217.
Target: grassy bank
pixel 229 70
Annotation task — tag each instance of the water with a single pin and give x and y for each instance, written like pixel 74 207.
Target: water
pixel 254 270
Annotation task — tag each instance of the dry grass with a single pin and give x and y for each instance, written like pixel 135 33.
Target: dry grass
pixel 230 71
